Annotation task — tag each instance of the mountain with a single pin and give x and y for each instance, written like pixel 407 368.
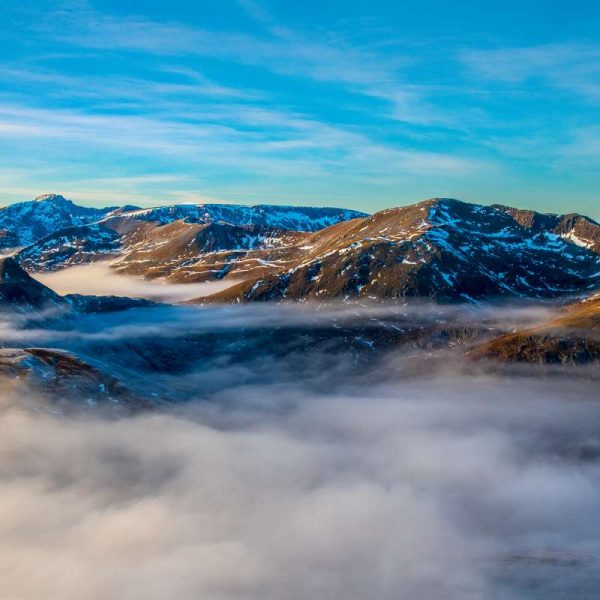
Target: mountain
pixel 22 293
pixel 292 218
pixel 19 291
pixel 441 248
pixel 571 338
pixel 181 231
pixel 65 379
pixel 25 222
pixel 150 248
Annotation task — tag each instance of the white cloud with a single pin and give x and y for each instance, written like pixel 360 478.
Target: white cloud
pixel 569 67
pixel 448 488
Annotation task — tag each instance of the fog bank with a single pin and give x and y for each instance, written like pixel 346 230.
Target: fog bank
pixel 100 280
pixel 301 458
pixel 448 489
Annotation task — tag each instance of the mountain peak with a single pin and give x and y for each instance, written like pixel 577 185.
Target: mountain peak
pixel 53 198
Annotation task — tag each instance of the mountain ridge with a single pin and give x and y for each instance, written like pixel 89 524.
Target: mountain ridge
pixel 441 248
pixel 24 223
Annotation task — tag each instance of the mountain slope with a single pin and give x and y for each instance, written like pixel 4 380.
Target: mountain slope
pixel 572 338
pixel 19 291
pixel 440 248
pixel 177 250
pixel 66 380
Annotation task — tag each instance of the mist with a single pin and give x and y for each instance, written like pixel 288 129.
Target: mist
pixel 284 471
pixel 100 279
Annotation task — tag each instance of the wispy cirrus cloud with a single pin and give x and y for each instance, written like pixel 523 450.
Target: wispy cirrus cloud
pixel 569 67
pixel 282 51
pixel 247 97
pixel 236 144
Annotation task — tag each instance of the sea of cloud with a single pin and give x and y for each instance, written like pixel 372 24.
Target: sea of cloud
pixel 278 478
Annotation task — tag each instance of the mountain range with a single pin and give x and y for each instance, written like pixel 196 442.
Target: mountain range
pixel 442 249
pixel 23 223
pixel 439 250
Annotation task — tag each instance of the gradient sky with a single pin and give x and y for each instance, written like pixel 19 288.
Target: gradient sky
pixel 363 103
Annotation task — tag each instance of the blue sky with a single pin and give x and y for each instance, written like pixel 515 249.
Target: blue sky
pixel 365 104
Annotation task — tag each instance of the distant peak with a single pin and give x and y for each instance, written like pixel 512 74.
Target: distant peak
pixel 54 198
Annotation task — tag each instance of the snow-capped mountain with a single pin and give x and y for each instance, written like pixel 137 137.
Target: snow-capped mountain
pixel 440 248
pixel 25 222
pixel 293 218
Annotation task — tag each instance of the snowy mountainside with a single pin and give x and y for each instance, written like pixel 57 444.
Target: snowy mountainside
pixel 441 248
pixel 294 218
pixel 26 222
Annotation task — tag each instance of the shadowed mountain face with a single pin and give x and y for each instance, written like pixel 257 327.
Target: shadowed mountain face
pixel 442 249
pixel 19 291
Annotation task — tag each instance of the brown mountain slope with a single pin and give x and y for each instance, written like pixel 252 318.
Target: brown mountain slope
pixel 177 250
pixel 572 338
pixel 440 248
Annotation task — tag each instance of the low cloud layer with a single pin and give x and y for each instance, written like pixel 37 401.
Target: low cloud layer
pixel 439 490
pixel 99 279
pixel 265 485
